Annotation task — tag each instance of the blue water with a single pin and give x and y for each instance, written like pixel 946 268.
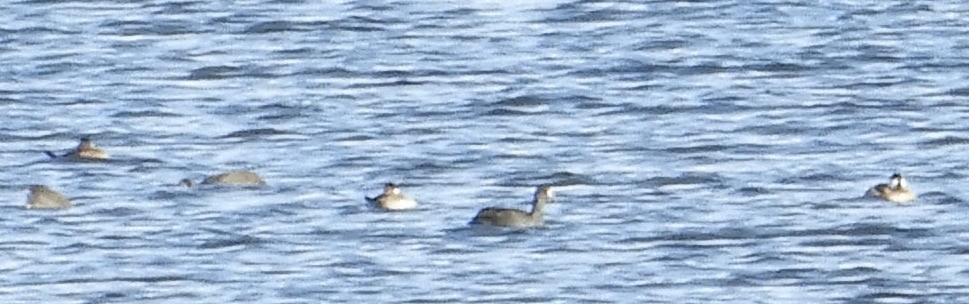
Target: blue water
pixel 704 152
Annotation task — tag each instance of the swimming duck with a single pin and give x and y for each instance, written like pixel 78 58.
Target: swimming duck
pixel 231 178
pixel 84 151
pixel 896 190
pixel 43 197
pixel 392 199
pixel 514 217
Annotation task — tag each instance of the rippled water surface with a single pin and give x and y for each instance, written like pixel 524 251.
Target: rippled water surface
pixel 704 151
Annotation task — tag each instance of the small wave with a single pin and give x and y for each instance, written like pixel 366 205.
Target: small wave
pixel 947 141
pixel 697 149
pixel 224 72
pixel 535 104
pixel 561 178
pixel 214 72
pixel 119 212
pixel 231 242
pixel 395 83
pixel 34 30
pixel 753 191
pixel 282 26
pixel 846 242
pixel 166 28
pixel 538 100
pixel 506 112
pixel 142 114
pixel 255 133
pixel 686 178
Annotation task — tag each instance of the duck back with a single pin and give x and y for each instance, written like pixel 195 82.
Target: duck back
pixel 506 218
pixel 43 197
pixel 236 178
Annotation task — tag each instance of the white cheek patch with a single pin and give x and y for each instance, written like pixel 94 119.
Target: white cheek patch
pixel 896 182
pixel 395 191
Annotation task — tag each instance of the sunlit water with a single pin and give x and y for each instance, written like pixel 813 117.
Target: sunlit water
pixel 705 152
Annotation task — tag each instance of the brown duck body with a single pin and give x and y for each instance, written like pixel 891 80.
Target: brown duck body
pixel 516 218
pixel 240 178
pixel 507 218
pixel 43 197
pixel 392 199
pixel 84 151
pixel 231 178
pixel 896 190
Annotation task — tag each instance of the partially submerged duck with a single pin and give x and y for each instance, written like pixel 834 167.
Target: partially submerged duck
pixel 392 199
pixel 231 178
pixel 43 197
pixel 515 217
pixel 84 151
pixel 896 190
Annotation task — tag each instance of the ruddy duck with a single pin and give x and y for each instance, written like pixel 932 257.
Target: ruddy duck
pixel 514 217
pixel 392 199
pixel 43 197
pixel 84 151
pixel 896 190
pixel 231 178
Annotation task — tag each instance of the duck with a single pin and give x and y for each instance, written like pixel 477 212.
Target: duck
pixel 392 199
pixel 230 178
pixel 514 217
pixel 896 190
pixel 86 150
pixel 43 197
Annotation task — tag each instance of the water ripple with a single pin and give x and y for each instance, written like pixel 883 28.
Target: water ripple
pixel 702 151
